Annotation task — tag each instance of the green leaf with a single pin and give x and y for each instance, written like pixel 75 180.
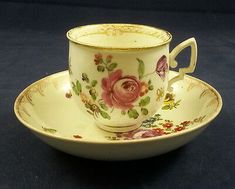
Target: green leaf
pixel 49 130
pixel 145 101
pixel 109 59
pixel 105 115
pixel 88 87
pixel 103 106
pixel 111 67
pixel 93 83
pixel 85 77
pixel 151 87
pixel 177 103
pixel 100 68
pixel 141 68
pixel 144 111
pixel 93 96
pixel 132 113
pixel 93 93
pixel 157 117
pixel 77 88
pixel 74 88
pixel 166 107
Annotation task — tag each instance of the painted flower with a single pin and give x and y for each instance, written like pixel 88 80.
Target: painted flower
pixel 84 98
pixel 144 88
pixel 153 133
pixel 109 58
pixel 120 91
pixel 98 58
pixel 180 128
pixel 162 67
pixel 185 123
pixel 169 98
pixel 167 125
pixel 141 133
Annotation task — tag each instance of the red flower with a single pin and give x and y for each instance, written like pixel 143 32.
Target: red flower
pixel 120 91
pixel 167 125
pixel 185 123
pixel 98 58
pixel 180 128
pixel 158 132
pixel 109 58
pixel 162 67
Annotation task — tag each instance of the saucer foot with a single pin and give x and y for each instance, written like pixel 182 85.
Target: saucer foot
pixel 118 129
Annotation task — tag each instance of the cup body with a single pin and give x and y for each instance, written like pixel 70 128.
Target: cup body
pixel 118 75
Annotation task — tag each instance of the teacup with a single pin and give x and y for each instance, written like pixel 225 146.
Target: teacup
pixel 119 72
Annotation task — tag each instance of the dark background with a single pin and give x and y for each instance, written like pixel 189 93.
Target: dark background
pixel 157 5
pixel 33 45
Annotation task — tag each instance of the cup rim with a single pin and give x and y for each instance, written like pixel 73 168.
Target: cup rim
pixel 165 41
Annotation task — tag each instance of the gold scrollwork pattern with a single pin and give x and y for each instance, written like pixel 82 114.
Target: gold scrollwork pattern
pixel 205 92
pixel 27 97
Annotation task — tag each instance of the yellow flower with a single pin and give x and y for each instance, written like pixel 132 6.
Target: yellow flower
pixel 160 94
pixel 144 88
pixel 85 98
pixel 169 98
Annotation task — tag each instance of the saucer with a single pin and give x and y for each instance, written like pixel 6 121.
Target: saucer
pixel 47 108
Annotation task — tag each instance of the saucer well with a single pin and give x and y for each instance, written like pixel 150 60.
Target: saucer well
pixel 47 108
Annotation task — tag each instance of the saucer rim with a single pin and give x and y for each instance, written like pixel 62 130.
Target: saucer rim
pixel 177 134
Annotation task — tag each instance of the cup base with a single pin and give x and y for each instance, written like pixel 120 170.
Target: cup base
pixel 118 129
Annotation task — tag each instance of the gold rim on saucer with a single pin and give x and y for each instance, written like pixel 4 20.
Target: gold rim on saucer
pixel 47 108
pixel 38 87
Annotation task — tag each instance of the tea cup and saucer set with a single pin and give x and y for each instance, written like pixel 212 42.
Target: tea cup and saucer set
pixel 118 100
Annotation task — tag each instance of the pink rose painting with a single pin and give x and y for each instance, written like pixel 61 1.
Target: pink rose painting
pixel 162 67
pixel 141 133
pixel 128 93
pixel 120 91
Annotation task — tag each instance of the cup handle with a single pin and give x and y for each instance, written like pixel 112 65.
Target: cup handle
pixel 173 63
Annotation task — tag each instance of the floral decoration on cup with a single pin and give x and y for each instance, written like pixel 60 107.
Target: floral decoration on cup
pixel 127 93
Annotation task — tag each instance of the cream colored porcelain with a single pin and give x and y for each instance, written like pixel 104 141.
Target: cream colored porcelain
pixel 46 107
pixel 119 72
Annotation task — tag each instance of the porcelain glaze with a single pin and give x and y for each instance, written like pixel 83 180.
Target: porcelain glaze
pixel 46 107
pixel 117 72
